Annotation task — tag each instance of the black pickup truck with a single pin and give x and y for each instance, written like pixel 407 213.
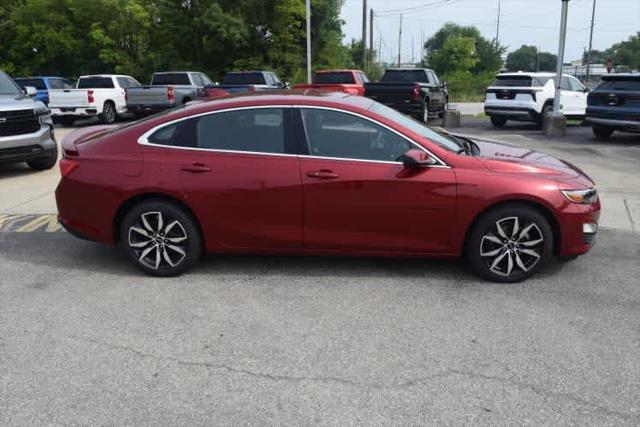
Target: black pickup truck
pixel 413 91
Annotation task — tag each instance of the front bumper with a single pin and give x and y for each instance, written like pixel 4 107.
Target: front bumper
pixel 578 228
pixel 31 146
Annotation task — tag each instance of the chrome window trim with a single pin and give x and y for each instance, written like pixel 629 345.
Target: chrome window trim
pixel 144 138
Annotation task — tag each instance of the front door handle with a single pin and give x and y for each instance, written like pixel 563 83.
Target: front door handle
pixel 322 174
pixel 196 168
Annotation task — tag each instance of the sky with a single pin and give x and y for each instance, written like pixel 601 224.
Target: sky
pixel 532 22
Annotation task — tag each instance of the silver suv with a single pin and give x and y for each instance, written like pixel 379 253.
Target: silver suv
pixel 26 128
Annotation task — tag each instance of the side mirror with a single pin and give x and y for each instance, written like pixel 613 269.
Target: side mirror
pixel 415 159
pixel 443 84
pixel 30 91
pixel 586 90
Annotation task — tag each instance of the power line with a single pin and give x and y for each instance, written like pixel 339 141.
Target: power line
pixel 412 9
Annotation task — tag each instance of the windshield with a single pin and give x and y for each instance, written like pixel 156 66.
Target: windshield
pixel 334 78
pixel 166 79
pixel 416 127
pixel 243 79
pixel 405 76
pixel 7 86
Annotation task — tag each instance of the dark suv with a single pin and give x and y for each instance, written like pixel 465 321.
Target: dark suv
pixel 615 105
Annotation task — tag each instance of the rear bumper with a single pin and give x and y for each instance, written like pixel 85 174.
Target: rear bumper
pixel 149 108
pixel 630 125
pixel 20 148
pixel 512 113
pixel 74 111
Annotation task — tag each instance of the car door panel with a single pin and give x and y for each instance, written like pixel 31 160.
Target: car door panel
pixel 354 203
pixel 245 200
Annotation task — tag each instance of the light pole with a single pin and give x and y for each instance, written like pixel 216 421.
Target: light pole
pixel 555 124
pixel 593 15
pixel 308 41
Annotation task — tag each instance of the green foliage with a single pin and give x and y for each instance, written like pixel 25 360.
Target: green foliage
pixel 627 52
pixel 464 59
pixel 528 58
pixel 138 37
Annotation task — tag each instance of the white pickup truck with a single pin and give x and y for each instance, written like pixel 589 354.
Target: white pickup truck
pixel 101 95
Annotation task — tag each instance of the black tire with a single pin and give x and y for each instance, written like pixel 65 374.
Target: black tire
pixel 108 115
pixel 155 238
pixel 509 257
pixel 45 162
pixel 66 121
pixel 498 122
pixel 185 100
pixel 601 132
pixel 444 108
pixel 546 110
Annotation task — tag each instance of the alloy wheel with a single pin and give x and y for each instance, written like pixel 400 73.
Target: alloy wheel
pixel 510 247
pixel 158 242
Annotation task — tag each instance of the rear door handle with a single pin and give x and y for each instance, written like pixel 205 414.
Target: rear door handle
pixel 322 174
pixel 196 168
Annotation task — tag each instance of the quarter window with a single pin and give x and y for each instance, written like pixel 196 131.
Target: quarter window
pixel 346 136
pixel 259 130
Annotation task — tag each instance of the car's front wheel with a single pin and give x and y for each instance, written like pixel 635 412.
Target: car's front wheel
pixel 161 238
pixel 510 243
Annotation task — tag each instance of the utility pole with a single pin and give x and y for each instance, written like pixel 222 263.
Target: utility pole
pixel 379 48
pixel 400 43
pixel 308 7
pixel 413 60
pixel 498 24
pixel 364 33
pixel 538 59
pixel 555 124
pixel 372 58
pixel 593 14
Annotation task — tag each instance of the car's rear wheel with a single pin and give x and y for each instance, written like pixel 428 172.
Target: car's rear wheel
pixel 108 115
pixel 510 243
pixel 601 132
pixel 546 111
pixel 160 238
pixel 498 122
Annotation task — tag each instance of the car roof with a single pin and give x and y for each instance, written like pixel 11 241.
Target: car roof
pixel 103 75
pixel 174 72
pixel 248 71
pixel 308 97
pixel 346 70
pixel 621 76
pixel 527 74
pixel 408 69
pixel 39 77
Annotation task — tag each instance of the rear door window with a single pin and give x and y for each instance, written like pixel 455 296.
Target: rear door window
pixel 259 130
pixel 95 83
pixel 576 86
pixel 60 84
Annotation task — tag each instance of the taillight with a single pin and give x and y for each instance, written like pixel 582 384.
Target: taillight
pixel 416 93
pixel 171 95
pixel 67 166
pixel 90 99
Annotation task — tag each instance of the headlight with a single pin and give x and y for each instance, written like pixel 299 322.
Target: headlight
pixel 585 196
pixel 43 114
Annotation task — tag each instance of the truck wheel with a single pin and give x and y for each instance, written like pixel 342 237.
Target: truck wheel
pixel 546 111
pixel 425 113
pixel 66 121
pixel 108 115
pixel 45 162
pixel 498 122
pixel 602 132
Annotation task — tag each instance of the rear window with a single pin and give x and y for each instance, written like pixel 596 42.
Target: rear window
pixel 405 76
pixel 333 78
pixel 629 85
pixel 166 79
pixel 243 79
pixel 95 83
pixel 37 83
pixel 520 81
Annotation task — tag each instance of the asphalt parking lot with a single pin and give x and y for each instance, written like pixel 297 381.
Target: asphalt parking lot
pixel 87 339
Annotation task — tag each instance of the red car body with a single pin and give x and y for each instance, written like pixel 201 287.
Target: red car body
pixel 355 86
pixel 298 203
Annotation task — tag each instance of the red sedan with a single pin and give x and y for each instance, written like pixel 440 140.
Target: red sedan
pixel 323 174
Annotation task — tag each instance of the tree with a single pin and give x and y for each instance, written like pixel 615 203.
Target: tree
pixel 528 58
pixel 626 53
